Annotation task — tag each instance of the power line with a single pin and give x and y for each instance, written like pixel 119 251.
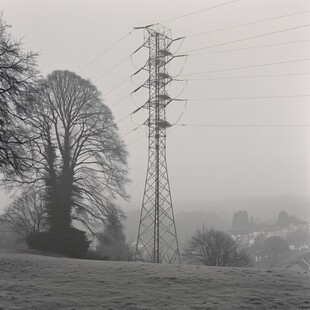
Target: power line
pixel 111 69
pixel 133 130
pixel 133 112
pixel 246 24
pixel 247 67
pixel 253 76
pixel 123 118
pixel 136 140
pixel 213 99
pixel 114 67
pixel 119 101
pixel 196 12
pixel 250 47
pixel 242 125
pixel 248 98
pixel 205 72
pixel 105 51
pixel 116 86
pixel 248 38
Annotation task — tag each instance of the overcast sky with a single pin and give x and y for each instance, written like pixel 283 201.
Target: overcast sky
pixel 205 162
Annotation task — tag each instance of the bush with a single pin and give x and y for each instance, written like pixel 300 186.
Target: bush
pixel 72 243
pixel 215 248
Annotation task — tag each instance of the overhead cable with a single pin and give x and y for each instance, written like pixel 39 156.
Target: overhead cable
pixel 247 98
pixel 250 76
pixel 114 67
pixel 246 24
pixel 116 86
pixel 248 38
pixel 247 67
pixel 133 130
pixel 196 12
pixel 249 47
pixel 119 101
pixel 242 125
pixel 136 140
pixel 105 51
pixel 135 111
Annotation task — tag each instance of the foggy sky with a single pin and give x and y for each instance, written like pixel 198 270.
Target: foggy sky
pixel 205 163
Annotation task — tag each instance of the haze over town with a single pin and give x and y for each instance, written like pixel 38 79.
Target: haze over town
pixel 218 163
pixel 154 154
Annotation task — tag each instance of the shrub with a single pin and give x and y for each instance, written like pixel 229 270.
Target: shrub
pixel 72 243
pixel 215 248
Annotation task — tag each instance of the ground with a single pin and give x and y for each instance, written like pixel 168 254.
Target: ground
pixel 30 281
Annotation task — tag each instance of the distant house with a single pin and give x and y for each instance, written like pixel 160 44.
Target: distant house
pixel 246 238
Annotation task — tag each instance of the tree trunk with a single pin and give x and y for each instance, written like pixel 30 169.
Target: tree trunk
pixel 59 195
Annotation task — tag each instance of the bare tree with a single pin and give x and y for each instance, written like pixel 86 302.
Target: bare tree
pixel 215 248
pixel 79 159
pixel 17 81
pixel 26 214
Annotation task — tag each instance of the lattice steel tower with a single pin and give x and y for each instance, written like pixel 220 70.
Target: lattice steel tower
pixel 157 237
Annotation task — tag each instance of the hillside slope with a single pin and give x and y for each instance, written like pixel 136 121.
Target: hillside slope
pixel 29 281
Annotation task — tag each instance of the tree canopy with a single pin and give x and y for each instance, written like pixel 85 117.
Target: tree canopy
pixel 18 76
pixel 79 159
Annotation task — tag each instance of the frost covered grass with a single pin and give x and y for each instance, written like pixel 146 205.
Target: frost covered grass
pixel 29 281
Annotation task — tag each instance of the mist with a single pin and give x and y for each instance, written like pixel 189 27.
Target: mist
pixel 148 137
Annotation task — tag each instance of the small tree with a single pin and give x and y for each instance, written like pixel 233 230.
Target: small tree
pixel 275 247
pixel 26 214
pixel 240 220
pixel 285 220
pixel 215 248
pixel 112 241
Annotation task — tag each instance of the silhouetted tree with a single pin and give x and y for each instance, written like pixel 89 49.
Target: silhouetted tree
pixel 112 241
pixel 285 220
pixel 215 248
pixel 79 160
pixel 275 247
pixel 17 82
pixel 26 214
pixel 240 220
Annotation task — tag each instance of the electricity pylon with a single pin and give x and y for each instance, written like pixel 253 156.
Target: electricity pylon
pixel 157 236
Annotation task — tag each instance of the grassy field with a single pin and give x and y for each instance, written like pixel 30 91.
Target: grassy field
pixel 29 281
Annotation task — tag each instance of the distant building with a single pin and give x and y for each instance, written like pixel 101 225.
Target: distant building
pixel 245 238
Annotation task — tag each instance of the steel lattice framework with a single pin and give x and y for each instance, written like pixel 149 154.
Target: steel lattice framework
pixel 157 237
